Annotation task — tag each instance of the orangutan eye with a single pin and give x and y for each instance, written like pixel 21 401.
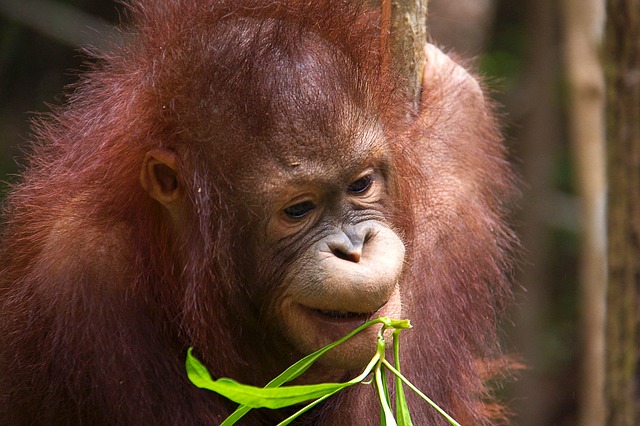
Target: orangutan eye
pixel 300 210
pixel 361 185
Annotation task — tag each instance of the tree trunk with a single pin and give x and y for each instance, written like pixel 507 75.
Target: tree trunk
pixel 405 21
pixel 408 23
pixel 623 341
pixel 584 25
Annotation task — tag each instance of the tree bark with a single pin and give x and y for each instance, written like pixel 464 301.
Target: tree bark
pixel 405 23
pixel 584 26
pixel 623 340
pixel 408 19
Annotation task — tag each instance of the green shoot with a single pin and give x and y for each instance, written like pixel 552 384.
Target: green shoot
pixel 274 395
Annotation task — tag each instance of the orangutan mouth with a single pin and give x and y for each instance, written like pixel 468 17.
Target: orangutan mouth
pixel 346 315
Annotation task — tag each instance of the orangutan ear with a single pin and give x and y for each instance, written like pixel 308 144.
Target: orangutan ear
pixel 159 176
pixel 439 67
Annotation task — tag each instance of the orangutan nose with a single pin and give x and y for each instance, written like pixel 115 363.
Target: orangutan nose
pixel 348 244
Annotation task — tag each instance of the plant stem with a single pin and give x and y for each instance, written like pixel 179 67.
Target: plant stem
pixel 423 396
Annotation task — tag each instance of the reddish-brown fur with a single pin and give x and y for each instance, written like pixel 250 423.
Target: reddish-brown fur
pixel 100 298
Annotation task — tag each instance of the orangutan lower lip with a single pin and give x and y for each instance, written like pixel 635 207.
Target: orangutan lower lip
pixel 345 315
pixel 336 315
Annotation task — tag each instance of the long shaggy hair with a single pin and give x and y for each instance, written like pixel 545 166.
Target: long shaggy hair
pixel 99 298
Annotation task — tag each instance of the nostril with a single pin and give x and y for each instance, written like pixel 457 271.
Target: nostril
pixel 349 255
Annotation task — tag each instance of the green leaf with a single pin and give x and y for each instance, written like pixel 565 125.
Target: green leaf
pixel 396 324
pixel 303 365
pixel 402 409
pixel 386 419
pixel 274 395
pixel 273 398
pixel 384 385
pixel 236 415
pixel 292 372
pixel 197 373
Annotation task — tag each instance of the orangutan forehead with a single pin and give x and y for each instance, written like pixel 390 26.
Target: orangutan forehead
pixel 319 157
pixel 348 141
